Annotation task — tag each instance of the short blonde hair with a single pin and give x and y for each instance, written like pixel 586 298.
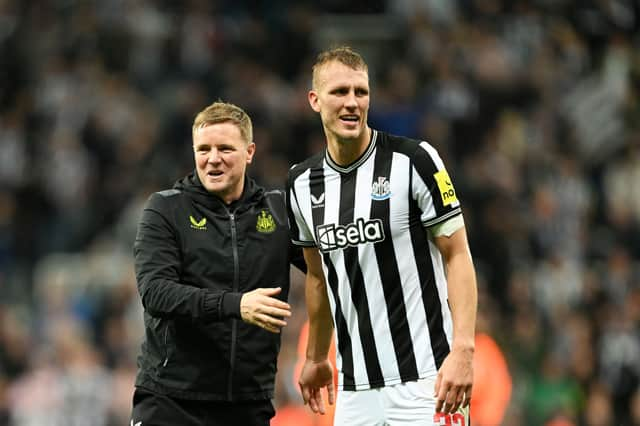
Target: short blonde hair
pixel 223 112
pixel 342 54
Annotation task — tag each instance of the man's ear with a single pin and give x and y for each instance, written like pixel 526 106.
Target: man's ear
pixel 313 100
pixel 251 149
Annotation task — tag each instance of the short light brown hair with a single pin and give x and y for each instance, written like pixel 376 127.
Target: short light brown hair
pixel 223 112
pixel 342 54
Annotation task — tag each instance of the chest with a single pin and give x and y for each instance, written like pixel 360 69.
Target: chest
pixel 367 205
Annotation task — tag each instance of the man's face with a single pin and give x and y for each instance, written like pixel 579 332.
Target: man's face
pixel 221 157
pixel 341 96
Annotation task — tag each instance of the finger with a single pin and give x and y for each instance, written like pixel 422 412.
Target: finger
pixel 267 303
pixel 267 326
pixel 272 299
pixel 441 398
pixel 457 402
pixel 331 392
pixel 436 388
pixel 278 312
pixel 467 396
pixel 304 390
pixel 270 329
pixel 452 400
pixel 270 291
pixel 274 305
pixel 320 401
pixel 313 401
pixel 272 322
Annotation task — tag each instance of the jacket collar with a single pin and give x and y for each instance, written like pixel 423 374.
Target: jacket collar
pixel 251 194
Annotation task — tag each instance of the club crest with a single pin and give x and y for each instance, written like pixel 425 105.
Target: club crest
pixel 265 222
pixel 381 189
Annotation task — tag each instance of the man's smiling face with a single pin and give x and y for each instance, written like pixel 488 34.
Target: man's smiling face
pixel 221 157
pixel 341 96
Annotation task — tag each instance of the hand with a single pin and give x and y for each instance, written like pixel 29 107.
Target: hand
pixel 315 376
pixel 455 381
pixel 260 307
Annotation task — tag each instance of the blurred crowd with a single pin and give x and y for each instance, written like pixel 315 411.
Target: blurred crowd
pixel 534 105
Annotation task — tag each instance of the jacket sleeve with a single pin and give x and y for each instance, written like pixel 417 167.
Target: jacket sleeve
pixel 157 264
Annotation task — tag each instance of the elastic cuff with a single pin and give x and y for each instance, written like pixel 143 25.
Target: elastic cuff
pixel 211 306
pixel 230 304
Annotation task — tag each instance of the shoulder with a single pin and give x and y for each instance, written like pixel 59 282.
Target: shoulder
pixel 398 144
pixel 159 201
pixel 275 197
pixel 168 193
pixel 417 150
pixel 312 162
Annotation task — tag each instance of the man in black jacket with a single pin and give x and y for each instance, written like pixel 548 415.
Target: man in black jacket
pixel 212 262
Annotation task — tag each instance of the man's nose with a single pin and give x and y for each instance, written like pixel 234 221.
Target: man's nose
pixel 350 101
pixel 214 156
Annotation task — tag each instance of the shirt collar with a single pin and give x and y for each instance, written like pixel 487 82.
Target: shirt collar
pixel 365 155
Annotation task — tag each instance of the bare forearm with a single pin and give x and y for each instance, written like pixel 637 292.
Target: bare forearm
pixel 320 322
pixel 463 299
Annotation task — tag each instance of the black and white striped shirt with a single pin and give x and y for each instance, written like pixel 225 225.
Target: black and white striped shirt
pixel 385 277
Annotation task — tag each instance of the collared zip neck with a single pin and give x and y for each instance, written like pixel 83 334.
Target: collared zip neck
pixel 236 287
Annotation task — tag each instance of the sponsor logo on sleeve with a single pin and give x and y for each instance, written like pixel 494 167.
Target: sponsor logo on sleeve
pixel 445 187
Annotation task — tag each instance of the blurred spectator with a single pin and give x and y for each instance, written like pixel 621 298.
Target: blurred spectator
pixel 598 410
pixel 492 381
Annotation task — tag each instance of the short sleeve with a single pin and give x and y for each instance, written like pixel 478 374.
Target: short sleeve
pixel 300 233
pixel 432 187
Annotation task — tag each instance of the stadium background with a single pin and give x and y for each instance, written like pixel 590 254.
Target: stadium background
pixel 534 105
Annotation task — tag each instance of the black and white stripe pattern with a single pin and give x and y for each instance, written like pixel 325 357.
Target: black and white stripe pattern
pixel 385 278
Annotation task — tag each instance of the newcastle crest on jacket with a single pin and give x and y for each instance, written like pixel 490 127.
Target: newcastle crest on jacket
pixel 265 223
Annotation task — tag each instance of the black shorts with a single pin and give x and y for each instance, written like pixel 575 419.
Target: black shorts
pixel 154 409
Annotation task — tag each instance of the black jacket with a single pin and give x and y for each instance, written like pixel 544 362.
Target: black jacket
pixel 194 257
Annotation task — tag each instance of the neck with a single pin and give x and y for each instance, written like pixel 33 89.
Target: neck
pixel 346 151
pixel 234 195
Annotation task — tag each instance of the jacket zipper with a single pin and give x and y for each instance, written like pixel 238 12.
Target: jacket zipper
pixel 166 345
pixel 236 285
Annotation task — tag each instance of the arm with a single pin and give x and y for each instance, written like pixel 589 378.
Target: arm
pixel 455 377
pixel 296 257
pixel 317 371
pixel 157 263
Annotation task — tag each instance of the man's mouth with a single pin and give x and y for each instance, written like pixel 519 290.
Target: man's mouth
pixel 350 118
pixel 214 173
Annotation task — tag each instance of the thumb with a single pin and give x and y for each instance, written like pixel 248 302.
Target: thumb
pixel 270 291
